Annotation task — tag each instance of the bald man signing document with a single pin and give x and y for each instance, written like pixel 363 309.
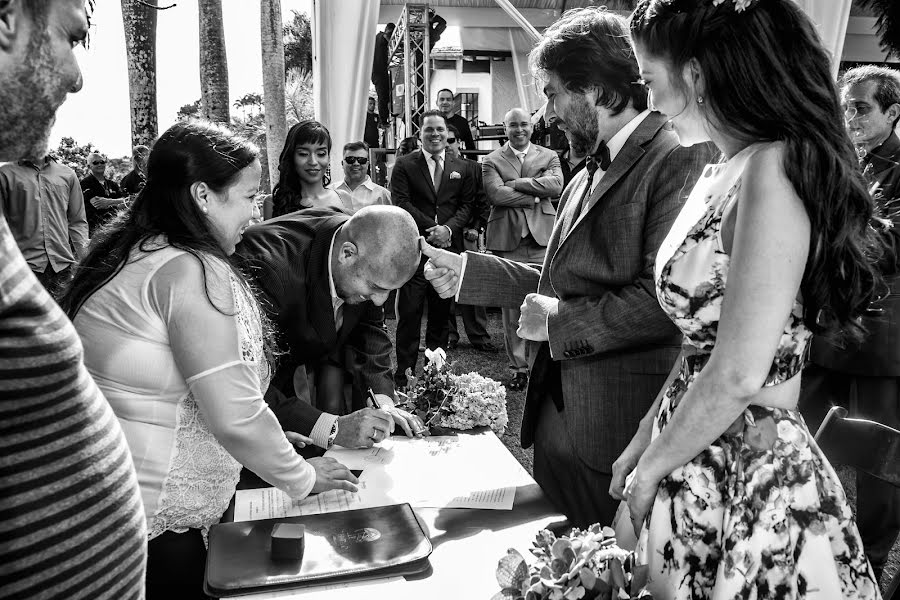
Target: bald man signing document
pixel 324 276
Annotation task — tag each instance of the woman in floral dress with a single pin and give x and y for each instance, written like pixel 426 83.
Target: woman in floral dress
pixel 727 490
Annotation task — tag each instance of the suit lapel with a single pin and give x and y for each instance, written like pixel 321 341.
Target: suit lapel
pixel 319 308
pixel 423 165
pixel 630 153
pixel 511 158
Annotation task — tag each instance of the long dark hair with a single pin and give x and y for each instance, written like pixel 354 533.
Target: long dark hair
pixel 286 195
pixel 768 78
pixel 185 154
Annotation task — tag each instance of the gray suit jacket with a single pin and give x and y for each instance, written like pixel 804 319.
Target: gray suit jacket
pixel 611 346
pixel 513 207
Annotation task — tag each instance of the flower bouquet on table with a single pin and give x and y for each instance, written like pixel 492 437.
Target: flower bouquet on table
pixel 455 401
pixel 580 566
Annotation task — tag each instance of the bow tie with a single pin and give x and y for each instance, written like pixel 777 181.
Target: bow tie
pixel 600 158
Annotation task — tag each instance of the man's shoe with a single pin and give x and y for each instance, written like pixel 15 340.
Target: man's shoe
pixel 518 382
pixel 486 347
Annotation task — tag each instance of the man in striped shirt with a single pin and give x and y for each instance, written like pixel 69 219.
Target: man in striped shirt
pixel 71 520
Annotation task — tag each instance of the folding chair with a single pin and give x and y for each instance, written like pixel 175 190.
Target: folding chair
pixel 865 445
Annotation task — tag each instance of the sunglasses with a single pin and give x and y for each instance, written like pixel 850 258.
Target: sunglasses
pixel 451 140
pixel 352 160
pixel 99 162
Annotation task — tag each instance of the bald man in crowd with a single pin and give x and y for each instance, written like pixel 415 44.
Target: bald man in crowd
pixel 324 276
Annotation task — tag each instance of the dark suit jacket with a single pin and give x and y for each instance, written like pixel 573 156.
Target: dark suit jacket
pixel 611 345
pixel 540 176
pixel 413 190
pixel 287 257
pixel 879 353
pixel 92 188
pixel 465 132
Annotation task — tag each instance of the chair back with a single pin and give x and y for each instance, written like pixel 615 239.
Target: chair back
pixel 865 445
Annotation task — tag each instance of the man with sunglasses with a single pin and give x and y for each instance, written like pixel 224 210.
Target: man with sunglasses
pixel 357 190
pixel 102 196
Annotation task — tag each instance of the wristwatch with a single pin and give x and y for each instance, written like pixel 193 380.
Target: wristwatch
pixel 332 435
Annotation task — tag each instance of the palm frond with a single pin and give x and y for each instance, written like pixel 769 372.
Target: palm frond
pixel 888 14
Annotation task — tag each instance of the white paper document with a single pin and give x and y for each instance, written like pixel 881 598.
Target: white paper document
pixel 468 471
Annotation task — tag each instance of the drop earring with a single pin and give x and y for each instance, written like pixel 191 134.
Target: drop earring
pixel 699 99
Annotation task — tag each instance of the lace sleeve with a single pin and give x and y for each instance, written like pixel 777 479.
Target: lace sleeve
pixel 205 340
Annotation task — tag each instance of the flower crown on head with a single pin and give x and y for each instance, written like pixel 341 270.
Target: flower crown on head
pixel 739 5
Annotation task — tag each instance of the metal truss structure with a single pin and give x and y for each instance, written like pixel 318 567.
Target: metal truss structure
pixel 410 49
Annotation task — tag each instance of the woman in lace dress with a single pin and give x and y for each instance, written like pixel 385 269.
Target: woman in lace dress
pixel 728 492
pixel 303 176
pixel 173 336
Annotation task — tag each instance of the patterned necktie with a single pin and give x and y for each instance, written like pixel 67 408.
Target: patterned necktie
pixel 438 171
pixel 599 159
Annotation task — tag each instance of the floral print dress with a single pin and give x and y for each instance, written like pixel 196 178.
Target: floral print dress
pixel 760 513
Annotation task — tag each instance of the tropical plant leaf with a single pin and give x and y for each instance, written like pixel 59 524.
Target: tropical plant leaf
pixel 888 23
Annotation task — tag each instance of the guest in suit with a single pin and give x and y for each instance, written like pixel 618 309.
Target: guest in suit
pixel 438 190
pixel 324 276
pixel 102 196
pixel 474 317
pixel 520 179
pixel 865 378
pixel 303 172
pixel 602 346
pixel 571 163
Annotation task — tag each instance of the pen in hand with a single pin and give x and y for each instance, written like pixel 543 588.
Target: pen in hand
pixel 418 431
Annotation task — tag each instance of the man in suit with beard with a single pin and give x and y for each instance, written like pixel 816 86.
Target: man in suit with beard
pixel 438 190
pixel 324 276
pixel 601 346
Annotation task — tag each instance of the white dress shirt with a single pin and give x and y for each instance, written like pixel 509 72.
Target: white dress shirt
pixel 615 145
pixel 365 194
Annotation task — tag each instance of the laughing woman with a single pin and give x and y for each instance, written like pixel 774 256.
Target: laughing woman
pixel 173 336
pixel 303 178
pixel 729 493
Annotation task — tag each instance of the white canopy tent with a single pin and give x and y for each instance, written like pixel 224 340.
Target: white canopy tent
pixel 344 34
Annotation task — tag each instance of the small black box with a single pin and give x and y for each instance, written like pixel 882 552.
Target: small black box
pixel 288 541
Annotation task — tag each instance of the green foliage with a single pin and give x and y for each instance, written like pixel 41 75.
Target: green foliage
pixel 74 155
pixel 298 45
pixel 189 111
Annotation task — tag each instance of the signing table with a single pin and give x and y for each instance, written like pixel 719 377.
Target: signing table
pixel 473 469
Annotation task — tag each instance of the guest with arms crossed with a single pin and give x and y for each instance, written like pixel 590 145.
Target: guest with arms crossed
pixel 437 189
pixel 865 377
pixel 520 180
pixel 70 506
pixel 601 345
pixel 303 177
pixel 325 276
pixel 445 106
pixel 174 337
pixel 726 488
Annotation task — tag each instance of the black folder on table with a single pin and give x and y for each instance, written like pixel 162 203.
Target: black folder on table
pixel 341 546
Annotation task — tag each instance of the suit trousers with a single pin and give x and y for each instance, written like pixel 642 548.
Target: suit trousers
pixel 529 251
pixel 474 321
pixel 575 489
pixel 866 397
pixel 411 299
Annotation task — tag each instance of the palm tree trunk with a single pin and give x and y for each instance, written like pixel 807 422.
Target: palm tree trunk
pixel 271 28
pixel 213 63
pixel 139 21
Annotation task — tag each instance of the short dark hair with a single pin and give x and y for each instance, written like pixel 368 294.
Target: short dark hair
pixel 452 129
pixel 390 26
pixel 887 84
pixel 351 146
pixel 433 113
pixel 449 91
pixel 589 48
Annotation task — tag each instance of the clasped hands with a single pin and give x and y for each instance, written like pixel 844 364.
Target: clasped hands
pixel 443 269
pixel 439 235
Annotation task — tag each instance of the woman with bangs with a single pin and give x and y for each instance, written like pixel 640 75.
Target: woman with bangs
pixel 726 488
pixel 304 174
